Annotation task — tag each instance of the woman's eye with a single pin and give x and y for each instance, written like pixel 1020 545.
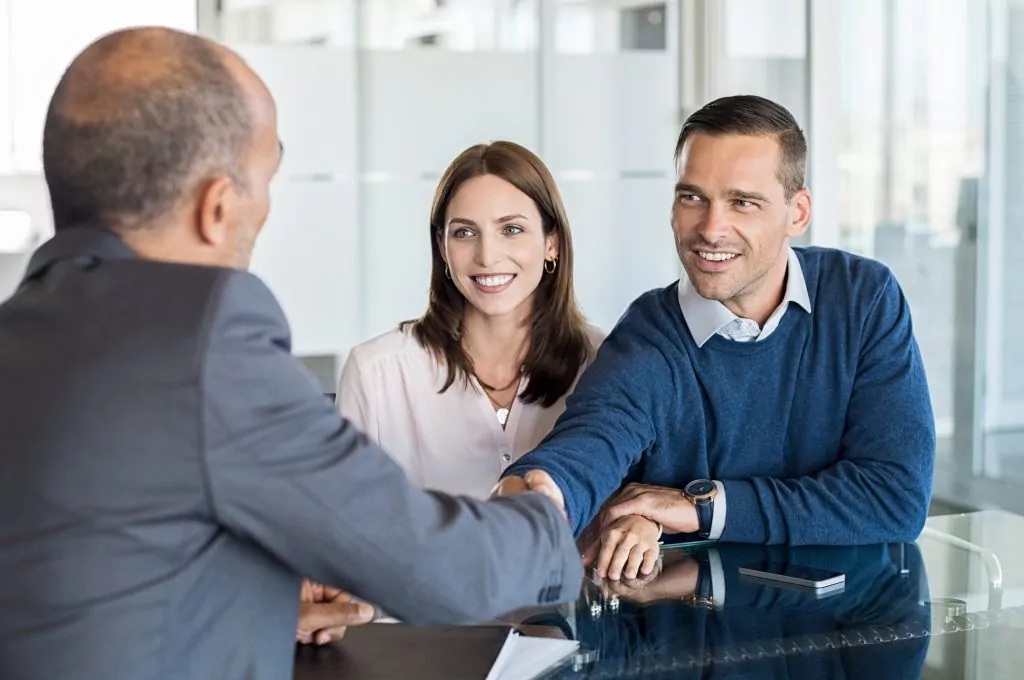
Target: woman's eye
pixel 462 232
pixel 513 229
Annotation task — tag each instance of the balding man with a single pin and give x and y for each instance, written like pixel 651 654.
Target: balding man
pixel 169 471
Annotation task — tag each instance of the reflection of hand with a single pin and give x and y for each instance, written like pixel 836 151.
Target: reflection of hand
pixel 675 581
pixel 325 613
pixel 664 505
pixel 627 547
pixel 534 480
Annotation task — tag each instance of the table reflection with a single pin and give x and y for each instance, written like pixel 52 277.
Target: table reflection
pixel 877 627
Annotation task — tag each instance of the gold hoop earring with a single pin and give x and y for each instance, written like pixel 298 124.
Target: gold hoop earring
pixel 554 264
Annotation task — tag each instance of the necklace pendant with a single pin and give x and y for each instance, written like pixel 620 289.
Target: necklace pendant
pixel 502 414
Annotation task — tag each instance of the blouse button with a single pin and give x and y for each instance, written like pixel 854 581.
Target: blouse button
pixel 506 457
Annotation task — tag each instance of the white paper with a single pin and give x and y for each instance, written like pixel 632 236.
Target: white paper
pixel 524 658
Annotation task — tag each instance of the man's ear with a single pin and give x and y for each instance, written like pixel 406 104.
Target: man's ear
pixel 218 211
pixel 799 213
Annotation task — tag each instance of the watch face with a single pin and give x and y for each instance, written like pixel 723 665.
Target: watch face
pixel 700 487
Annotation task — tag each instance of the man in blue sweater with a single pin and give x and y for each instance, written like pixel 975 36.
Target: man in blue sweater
pixel 773 395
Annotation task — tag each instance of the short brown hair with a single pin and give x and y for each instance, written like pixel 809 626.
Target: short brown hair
pixel 753 115
pixel 558 333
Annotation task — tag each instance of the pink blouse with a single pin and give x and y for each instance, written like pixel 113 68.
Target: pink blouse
pixel 449 442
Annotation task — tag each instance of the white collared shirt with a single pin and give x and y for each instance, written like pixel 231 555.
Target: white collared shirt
pixel 706 317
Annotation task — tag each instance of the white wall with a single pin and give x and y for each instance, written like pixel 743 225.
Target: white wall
pixel 38 39
pixel 308 252
pixel 23 193
pixel 45 35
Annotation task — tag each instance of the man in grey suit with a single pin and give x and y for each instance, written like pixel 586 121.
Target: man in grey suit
pixel 169 471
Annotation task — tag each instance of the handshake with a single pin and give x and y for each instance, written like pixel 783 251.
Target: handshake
pixel 618 543
pixel 534 480
pixel 621 543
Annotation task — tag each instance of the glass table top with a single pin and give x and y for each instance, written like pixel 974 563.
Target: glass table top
pixel 950 605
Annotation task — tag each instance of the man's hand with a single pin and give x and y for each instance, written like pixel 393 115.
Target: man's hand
pixel 664 505
pixel 627 548
pixel 676 580
pixel 325 613
pixel 534 480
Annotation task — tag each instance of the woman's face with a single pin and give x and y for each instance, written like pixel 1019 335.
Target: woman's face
pixel 494 245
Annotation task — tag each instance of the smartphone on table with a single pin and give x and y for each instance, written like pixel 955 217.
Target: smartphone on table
pixel 798 575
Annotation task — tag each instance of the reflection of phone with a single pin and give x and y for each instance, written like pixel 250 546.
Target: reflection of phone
pixel 794 574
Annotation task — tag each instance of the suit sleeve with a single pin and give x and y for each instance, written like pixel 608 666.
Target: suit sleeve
pixel 286 472
pixel 878 491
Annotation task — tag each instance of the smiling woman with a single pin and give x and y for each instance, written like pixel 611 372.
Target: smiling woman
pixel 489 254
pixel 460 393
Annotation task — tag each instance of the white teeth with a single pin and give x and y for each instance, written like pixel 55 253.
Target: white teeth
pixel 493 281
pixel 715 257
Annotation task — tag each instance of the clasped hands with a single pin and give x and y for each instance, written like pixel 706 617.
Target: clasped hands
pixel 622 542
pixel 623 539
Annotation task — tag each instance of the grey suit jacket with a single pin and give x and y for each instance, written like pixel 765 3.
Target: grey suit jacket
pixel 169 472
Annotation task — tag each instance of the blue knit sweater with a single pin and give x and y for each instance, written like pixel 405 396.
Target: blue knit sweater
pixel 822 433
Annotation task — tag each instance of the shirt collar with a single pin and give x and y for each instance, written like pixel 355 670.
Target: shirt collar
pixel 706 317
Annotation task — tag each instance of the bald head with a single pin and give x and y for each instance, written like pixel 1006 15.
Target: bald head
pixel 139 121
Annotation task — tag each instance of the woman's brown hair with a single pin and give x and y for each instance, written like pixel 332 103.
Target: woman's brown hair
pixel 558 342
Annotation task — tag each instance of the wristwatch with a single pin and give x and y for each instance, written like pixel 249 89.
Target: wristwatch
pixel 703 596
pixel 702 492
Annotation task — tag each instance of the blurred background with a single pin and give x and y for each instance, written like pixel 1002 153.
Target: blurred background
pixel 914 111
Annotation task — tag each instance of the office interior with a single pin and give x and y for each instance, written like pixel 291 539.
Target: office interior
pixel 913 109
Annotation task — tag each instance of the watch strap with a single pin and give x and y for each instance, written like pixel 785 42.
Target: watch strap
pixel 705 513
pixel 705 591
pixel 703 595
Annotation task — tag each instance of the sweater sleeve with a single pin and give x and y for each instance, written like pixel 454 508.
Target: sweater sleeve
pixel 879 489
pixel 609 419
